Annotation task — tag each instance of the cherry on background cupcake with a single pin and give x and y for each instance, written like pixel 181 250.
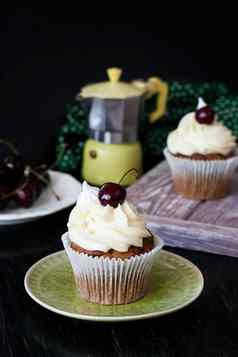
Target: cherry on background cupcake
pixel 204 114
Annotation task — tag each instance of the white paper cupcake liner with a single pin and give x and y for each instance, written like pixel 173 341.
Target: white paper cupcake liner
pixel 111 281
pixel 200 179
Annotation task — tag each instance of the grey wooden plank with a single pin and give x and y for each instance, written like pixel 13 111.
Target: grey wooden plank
pixel 195 236
pixel 223 212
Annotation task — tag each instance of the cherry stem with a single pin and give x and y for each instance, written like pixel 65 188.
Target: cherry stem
pixel 42 167
pixel 10 146
pixel 150 233
pixel 126 173
pixel 43 179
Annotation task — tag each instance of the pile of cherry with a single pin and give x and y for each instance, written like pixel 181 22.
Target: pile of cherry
pixel 20 184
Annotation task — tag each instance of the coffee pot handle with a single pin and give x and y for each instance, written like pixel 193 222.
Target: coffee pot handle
pixel 159 88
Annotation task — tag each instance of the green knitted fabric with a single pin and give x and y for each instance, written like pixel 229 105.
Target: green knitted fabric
pixel 227 109
pixel 182 99
pixel 71 138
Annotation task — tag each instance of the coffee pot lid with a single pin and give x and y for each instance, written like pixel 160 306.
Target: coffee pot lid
pixel 111 89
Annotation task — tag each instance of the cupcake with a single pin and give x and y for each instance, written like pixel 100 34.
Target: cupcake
pixel 202 155
pixel 109 247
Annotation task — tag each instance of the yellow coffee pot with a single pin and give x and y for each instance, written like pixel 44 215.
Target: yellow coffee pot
pixel 114 108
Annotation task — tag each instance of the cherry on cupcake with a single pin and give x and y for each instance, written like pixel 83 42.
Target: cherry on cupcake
pixel 113 194
pixel 204 114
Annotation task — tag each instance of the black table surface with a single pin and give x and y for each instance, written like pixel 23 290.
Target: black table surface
pixel 208 327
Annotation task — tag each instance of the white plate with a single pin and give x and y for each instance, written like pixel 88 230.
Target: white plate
pixel 66 186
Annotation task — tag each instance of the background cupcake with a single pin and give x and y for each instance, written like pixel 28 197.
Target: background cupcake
pixel 109 247
pixel 202 155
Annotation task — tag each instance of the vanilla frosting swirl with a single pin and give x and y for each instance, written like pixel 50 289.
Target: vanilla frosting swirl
pixel 192 137
pixel 96 227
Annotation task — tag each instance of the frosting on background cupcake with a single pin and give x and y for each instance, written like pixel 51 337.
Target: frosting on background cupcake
pixel 96 227
pixel 191 137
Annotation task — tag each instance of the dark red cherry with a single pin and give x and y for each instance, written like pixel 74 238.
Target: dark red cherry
pixel 111 194
pixel 36 188
pixel 11 171
pixel 24 197
pixel 205 115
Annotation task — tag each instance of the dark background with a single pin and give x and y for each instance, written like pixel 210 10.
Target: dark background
pixel 46 56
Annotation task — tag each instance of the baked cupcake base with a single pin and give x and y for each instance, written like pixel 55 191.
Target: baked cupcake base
pixel 207 157
pixel 109 281
pixel 148 244
pixel 202 179
pixel 205 190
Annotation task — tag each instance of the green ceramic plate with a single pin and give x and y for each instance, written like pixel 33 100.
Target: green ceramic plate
pixel 176 282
